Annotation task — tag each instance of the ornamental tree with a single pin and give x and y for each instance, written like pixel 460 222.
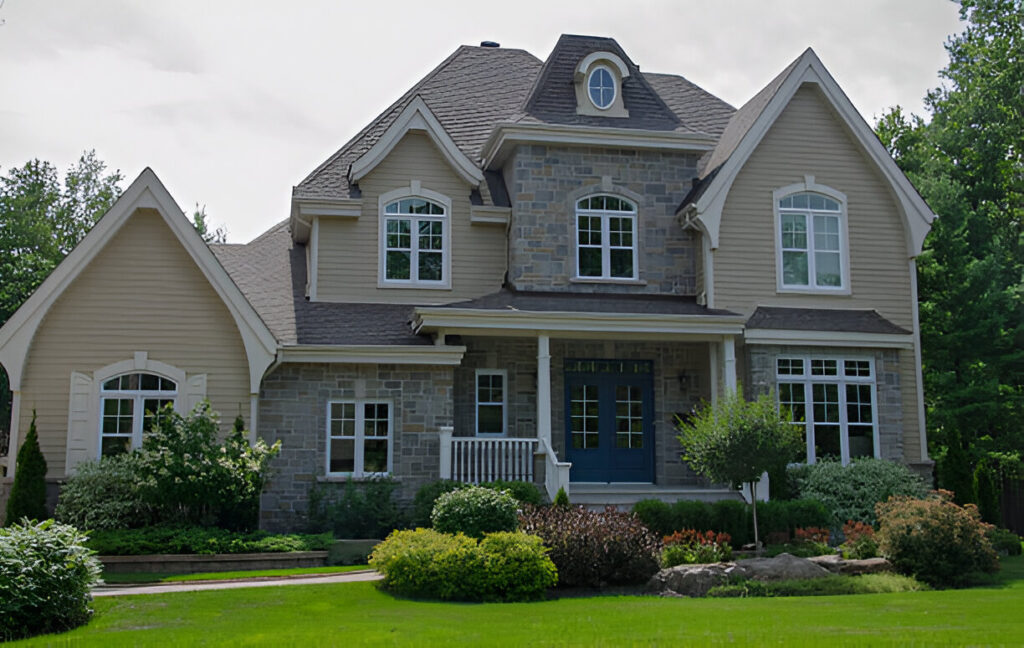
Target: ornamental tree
pixel 28 492
pixel 734 441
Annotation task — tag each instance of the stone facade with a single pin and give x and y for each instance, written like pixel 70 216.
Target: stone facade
pixel 293 409
pixel 761 377
pixel 544 185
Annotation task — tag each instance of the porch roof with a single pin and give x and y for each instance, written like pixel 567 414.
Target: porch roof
pixel 823 319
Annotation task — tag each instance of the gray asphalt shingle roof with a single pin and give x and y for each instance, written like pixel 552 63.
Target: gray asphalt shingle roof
pixel 570 302
pixel 823 319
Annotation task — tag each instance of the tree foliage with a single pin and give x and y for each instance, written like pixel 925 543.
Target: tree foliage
pixel 968 164
pixel 28 492
pixel 201 223
pixel 734 440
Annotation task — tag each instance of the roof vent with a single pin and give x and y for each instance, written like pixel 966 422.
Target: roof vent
pixel 489 44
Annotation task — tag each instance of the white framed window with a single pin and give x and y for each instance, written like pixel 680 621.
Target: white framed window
pixel 491 402
pixel 833 400
pixel 359 438
pixel 812 249
pixel 601 87
pixel 606 236
pixel 415 239
pixel 130 406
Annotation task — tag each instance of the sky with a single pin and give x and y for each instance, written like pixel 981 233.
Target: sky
pixel 232 103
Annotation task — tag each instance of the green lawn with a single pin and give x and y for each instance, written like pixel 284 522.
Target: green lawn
pixel 119 579
pixel 358 614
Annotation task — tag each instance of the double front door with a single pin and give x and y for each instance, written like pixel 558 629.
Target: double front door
pixel 609 427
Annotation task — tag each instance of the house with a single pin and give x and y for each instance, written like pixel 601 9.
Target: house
pixel 521 269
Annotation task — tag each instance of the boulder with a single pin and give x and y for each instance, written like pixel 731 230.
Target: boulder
pixel 782 567
pixel 838 565
pixel 689 580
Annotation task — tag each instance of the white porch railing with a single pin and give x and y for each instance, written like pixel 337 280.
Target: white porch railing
pixel 474 460
pixel 556 473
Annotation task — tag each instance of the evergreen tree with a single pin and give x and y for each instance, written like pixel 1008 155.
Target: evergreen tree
pixel 28 493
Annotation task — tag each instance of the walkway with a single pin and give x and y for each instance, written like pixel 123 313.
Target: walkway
pixel 270 581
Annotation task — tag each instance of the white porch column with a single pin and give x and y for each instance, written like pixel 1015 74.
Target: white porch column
pixel 729 360
pixel 254 412
pixel 544 388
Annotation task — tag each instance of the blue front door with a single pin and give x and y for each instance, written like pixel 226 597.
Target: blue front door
pixel 609 414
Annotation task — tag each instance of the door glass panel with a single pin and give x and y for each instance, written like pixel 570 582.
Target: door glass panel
pixel 629 413
pixel 583 416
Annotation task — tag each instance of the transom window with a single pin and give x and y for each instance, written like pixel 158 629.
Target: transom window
pixel 601 87
pixel 130 405
pixel 606 233
pixel 810 242
pixel 415 241
pixel 491 414
pixel 833 401
pixel 359 438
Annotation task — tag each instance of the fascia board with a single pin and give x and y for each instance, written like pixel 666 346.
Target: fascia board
pixel 347 208
pixel 450 318
pixel 374 354
pixel 416 116
pixel 828 338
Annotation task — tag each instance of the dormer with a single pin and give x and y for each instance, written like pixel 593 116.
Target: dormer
pixel 598 82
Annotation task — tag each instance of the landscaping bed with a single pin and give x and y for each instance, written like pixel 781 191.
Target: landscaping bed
pixel 197 563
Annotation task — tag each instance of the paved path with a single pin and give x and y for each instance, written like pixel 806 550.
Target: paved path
pixel 196 586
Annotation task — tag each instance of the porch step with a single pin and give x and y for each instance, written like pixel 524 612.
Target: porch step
pixel 623 496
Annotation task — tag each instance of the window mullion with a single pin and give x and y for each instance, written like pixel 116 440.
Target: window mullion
pixel 844 423
pixel 811 270
pixel 358 439
pixel 809 414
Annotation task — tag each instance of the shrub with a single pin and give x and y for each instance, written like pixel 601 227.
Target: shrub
pixel 692 514
pixel 594 549
pixel 46 574
pixel 657 516
pixel 475 511
pixel 561 498
pixel 851 492
pixel 364 509
pixel 828 586
pixel 27 498
pixel 1004 541
pixel 689 547
pixel 524 492
pixel 732 517
pixel 200 540
pixel 934 539
pixel 426 497
pixel 860 541
pixel 426 563
pixel 105 494
pixel 988 491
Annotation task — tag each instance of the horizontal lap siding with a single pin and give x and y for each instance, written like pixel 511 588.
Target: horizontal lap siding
pixel 142 292
pixel 347 265
pixel 908 394
pixel 808 139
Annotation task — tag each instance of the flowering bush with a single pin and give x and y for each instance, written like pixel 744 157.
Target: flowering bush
pixel 690 546
pixel 860 541
pixel 934 539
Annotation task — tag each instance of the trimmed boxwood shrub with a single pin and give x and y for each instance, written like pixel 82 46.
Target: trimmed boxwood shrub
pixel 475 511
pixel 353 510
pixel 426 496
pixel 105 494
pixel 778 519
pixel 523 492
pixel 200 540
pixel 46 573
pixel 594 549
pixel 935 540
pixel 426 563
pixel 1005 541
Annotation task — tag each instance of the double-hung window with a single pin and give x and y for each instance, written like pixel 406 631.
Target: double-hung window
pixel 606 235
pixel 415 243
pixel 833 401
pixel 359 438
pixel 811 243
pixel 130 405
pixel 491 391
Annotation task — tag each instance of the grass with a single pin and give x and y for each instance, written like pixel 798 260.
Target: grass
pixel 161 577
pixel 358 614
pixel 835 585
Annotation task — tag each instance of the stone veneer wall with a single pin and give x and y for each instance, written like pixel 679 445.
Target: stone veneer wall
pixel 293 409
pixel 519 358
pixel 761 377
pixel 544 185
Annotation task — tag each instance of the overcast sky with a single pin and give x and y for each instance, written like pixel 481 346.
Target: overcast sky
pixel 233 103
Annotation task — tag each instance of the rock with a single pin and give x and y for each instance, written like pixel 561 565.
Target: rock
pixel 782 567
pixel 831 562
pixel 689 580
pixel 838 565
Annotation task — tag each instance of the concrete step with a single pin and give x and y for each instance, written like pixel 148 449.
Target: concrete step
pixel 623 496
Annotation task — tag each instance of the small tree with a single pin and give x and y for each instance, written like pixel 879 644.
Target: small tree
pixel 28 493
pixel 734 441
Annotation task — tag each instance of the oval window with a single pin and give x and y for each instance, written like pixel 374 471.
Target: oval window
pixel 601 87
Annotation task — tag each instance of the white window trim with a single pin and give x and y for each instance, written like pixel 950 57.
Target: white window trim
pixel 414 190
pixel 810 186
pixel 138 396
pixel 615 86
pixel 359 438
pixel 840 379
pixel 504 401
pixel 606 255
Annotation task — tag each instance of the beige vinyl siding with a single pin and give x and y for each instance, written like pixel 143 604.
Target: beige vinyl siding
pixel 142 292
pixel 809 139
pixel 347 267
pixel 908 394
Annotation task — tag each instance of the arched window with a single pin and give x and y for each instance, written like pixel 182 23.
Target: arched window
pixel 129 407
pixel 415 242
pixel 811 237
pixel 601 87
pixel 606 233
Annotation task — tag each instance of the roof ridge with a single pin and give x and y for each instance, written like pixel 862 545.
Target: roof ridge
pixel 269 232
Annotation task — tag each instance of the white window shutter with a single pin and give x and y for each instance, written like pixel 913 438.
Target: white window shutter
pixel 195 391
pixel 83 422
